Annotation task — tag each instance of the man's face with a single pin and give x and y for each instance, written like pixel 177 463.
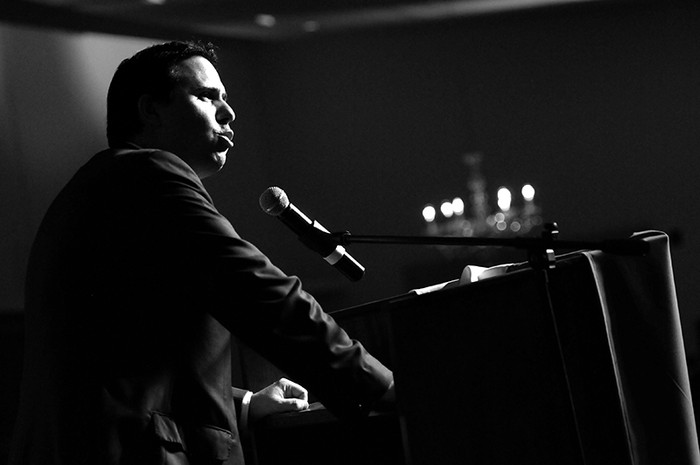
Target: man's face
pixel 194 123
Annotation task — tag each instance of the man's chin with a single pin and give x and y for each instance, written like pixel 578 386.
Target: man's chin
pixel 220 159
pixel 217 162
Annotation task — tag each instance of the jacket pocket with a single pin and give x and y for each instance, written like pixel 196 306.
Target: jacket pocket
pixel 208 443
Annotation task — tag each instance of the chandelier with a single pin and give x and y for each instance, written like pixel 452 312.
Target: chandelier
pixel 514 212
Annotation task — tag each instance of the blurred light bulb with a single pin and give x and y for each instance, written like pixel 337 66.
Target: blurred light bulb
pixel 504 199
pixel 446 209
pixel 429 213
pixel 457 206
pixel 528 192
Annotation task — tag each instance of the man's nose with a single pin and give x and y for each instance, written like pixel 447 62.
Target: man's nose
pixel 226 114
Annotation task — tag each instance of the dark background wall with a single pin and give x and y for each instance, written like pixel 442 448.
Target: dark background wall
pixel 598 107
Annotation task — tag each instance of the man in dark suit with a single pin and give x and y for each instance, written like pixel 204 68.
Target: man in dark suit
pixel 136 283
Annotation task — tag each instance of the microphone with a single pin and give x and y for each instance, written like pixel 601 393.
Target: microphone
pixel 274 202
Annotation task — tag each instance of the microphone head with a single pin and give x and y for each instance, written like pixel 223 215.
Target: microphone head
pixel 274 201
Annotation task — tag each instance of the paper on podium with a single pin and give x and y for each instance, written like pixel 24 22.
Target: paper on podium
pixel 474 273
pixel 470 274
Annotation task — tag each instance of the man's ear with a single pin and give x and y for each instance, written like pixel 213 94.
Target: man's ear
pixel 148 111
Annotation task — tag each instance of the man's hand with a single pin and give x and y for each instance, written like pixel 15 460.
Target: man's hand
pixel 280 396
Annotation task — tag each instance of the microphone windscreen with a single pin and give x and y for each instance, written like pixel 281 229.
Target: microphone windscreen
pixel 274 201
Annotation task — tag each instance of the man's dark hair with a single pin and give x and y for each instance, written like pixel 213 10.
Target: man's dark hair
pixel 149 72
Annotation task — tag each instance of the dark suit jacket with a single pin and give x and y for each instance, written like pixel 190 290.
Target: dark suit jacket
pixel 134 287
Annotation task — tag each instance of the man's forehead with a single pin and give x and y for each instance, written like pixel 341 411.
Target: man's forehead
pixel 198 71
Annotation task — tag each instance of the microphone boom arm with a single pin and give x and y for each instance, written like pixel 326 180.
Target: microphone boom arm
pixel 536 246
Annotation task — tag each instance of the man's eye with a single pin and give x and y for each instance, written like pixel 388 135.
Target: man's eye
pixel 211 96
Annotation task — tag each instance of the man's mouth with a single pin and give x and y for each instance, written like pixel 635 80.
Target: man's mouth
pixel 227 137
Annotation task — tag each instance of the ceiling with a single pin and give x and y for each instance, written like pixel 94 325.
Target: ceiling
pixel 262 20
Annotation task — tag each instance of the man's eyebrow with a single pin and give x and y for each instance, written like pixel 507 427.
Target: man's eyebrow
pixel 212 90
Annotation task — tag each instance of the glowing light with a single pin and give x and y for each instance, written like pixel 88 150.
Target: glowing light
pixel 528 192
pixel 446 209
pixel 457 206
pixel 504 199
pixel 265 20
pixel 429 213
pixel 311 26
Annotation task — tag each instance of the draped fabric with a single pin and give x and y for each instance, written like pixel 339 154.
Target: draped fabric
pixel 640 308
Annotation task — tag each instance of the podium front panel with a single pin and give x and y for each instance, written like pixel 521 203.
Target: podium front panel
pixel 484 374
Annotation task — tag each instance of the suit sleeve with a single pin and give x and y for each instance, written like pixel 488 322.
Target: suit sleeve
pixel 255 300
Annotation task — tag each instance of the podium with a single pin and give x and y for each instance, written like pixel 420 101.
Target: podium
pixel 581 364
